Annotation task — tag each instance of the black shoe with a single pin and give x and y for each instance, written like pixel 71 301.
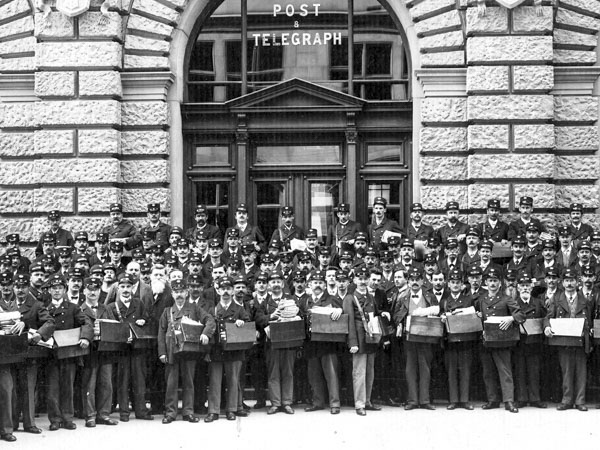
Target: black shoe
pixel 242 413
pixel 511 407
pixel 211 417
pixel 287 409
pixel 563 407
pixel 273 410
pixel 69 425
pixel 520 404
pixel 260 405
pixel 392 402
pixel 191 418
pixel 361 412
pixel 491 405
pixel 335 410
pixel 410 406
pixel 246 407
pixel 312 408
pixel 124 418
pixel 8 437
pixel 168 419
pixel 54 426
pixel 230 415
pixel 33 430
pixel 542 405
pixel 106 421
pixel 581 408
pixel 428 406
pixel 147 416
pixel 90 423
pixel 468 406
pixel 451 406
pixel 372 407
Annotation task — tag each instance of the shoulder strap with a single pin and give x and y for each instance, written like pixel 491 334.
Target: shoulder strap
pixel 362 314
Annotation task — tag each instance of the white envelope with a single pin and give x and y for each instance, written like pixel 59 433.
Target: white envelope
pixel 568 327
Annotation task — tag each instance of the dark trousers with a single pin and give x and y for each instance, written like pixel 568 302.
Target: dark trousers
pixel 200 384
pixel 550 379
pixel 97 388
pixel 388 363
pixel 419 357
pixel 185 368
pixel 131 368
pixel 24 379
pixel 215 374
pixel 459 360
pixel 323 378
pixel 301 384
pixel 6 391
pixel 258 370
pixel 60 375
pixel 496 365
pixel 573 365
pixel 527 372
pixel 155 381
pixel 280 365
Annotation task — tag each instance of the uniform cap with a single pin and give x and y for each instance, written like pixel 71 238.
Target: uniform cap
pixel 454 275
pixel 13 237
pixel 92 282
pixel 576 207
pixel 116 207
pixel 519 240
pixel 525 200
pixel 101 237
pixel 287 211
pixel 81 236
pixel 311 233
pixel 233 233
pixel 493 203
pixel 54 214
pixel 201 209
pixel 343 207
pixel 56 280
pixel 416 207
pixel 125 278
pixel 178 285
pixel 452 243
pixel 452 205
pixel 116 246
pixel 241 207
pixel 153 207
pixel 380 201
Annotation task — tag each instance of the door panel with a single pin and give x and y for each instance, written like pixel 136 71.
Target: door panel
pixel 270 195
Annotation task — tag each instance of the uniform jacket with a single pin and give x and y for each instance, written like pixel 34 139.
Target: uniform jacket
pixel 449 303
pixel 375 231
pixel 162 231
pixel 63 238
pixel 523 267
pixel 35 316
pixel 68 316
pixel 423 233
pixel 318 349
pixel 539 269
pixel 356 329
pixel 446 231
pixel 285 236
pixel 517 227
pixel 498 304
pixel 102 312
pixel 582 233
pixel 402 305
pixel 142 291
pixel 341 233
pixel 559 308
pixel 136 310
pixel 231 314
pixel 250 234
pixel 124 229
pixel 212 231
pixel 497 233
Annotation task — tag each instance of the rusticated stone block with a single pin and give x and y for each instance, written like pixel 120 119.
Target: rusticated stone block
pixel 443 139
pixel 139 62
pixel 50 142
pixel 542 194
pixel 78 54
pixel 567 37
pixel 575 109
pixel 18 115
pixel 46 199
pixel 568 57
pixel 510 107
pixel 140 23
pixel 156 9
pixel 54 25
pixel 451 19
pixel 444 110
pixel 96 199
pixel 436 197
pixel 488 137
pixel 439 220
pixel 24 25
pixel 480 193
pixel 487 78
pixel 529 78
pixel 79 112
pixel 55 84
pixel 577 167
pixel 25 45
pixel 20 201
pixel 25 64
pixel 99 141
pixel 511 166
pixel 16 144
pixel 585 5
pixel 155 142
pixel 142 43
pixel 25 228
pixel 91 25
pixel 105 83
pixel 576 138
pixel 151 171
pixel 451 39
pixel 443 168
pixel 573 19
pixel 136 200
pixel 526 18
pixel 509 49
pixel 17 173
pixel 533 136
pixel 145 113
pixel 495 20
pixel 78 170
pixel 443 59
pixel 13 8
pixel 587 194
pixel 92 225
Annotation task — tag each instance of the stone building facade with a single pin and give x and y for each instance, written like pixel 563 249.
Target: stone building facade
pixel 504 104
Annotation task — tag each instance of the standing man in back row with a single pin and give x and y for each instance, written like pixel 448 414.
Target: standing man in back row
pixel 380 225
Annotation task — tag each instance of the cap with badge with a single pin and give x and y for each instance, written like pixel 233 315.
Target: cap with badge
pixel 362 272
pixel 262 276
pixel 519 240
pixel 126 278
pixel 92 283
pixel 393 241
pixel 371 251
pixel 360 236
pixel 54 214
pixel 430 258
pixel 493 273
pixel 548 243
pixel 342 275
pixel 233 233
pixel 153 207
pixel 13 238
pixel 304 256
pixel 195 279
pixel 81 260
pixel 176 230
pixel 214 243
pixel 415 272
pixel 145 267
pixel 346 255
pixel 240 279
pixel 454 275
pixel 493 203
pixel 299 275
pixel 6 278
pixel 324 251
pixel 275 276
pixel 267 259
pixel 511 274
pixel 108 266
pixel 148 235
pixel 224 282
pixel 433 242
pixel 171 261
pixel 311 233
pixel 116 246
pixel 286 257
pixel 248 249
pixel 525 200
pixel 178 285
pixel 317 275
pixel 407 243
pixel 416 207
pixel 241 207
pixel 137 254
pixel 584 245
pixel 64 252
pixel 201 209
pixel 202 236
pixel 36 267
pixel 588 272
pixel 386 256
pixel 474 271
pixel 102 237
pixel 570 273
pixel 473 231
pixel 532 228
pixel 524 279
pixel 13 252
pixel 287 211
pixel 183 243
pixel 452 243
pixel 380 201
pixel 564 231
pixel 48 238
pixel 75 273
pixel 343 208
pixel 488 244
pixel 56 280
pixel 195 258
pixel 115 207
pixel 276 243
pixel 81 236
pixel 552 272
pixel 595 236
pixel 576 207
pixel 452 205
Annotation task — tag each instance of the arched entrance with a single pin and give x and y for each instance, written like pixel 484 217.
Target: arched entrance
pixel 320 112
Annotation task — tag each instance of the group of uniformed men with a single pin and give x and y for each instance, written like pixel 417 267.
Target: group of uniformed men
pixel 382 271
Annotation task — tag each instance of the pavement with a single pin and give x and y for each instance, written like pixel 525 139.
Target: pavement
pixel 391 428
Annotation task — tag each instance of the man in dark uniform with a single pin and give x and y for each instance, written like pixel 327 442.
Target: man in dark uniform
pixel 210 231
pixel 496 362
pixel 518 262
pixel 454 228
pixel 155 225
pixel 517 227
pixel 493 228
pixel 13 240
pixel 249 234
pixel 121 230
pixel 566 256
pixel 417 230
pixel 101 255
pixel 381 228
pixel 342 233
pixel 288 229
pixel 573 360
pixel 180 364
pixel 579 230
pixel 62 237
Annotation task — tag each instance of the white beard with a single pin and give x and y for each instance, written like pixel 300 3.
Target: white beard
pixel 158 286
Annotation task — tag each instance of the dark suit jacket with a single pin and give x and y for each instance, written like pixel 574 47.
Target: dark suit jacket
pixel 422 234
pixel 68 316
pixel 212 231
pixel 162 231
pixel 233 313
pixel 143 292
pixel 496 234
pixel 250 234
pixel 499 305
pixel 127 230
pixel 582 233
pixel 559 308
pixel 341 233
pixel 445 232
pixel 156 306
pixel 375 231
pixel 286 236
pixel 63 237
pixel 136 311
pixel 517 227
pixel 35 316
